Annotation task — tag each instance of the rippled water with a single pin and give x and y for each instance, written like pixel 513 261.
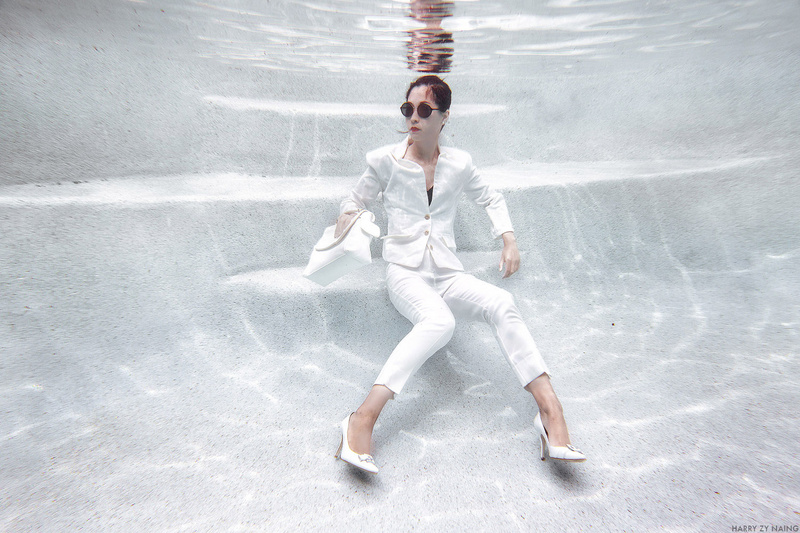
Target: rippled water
pixel 489 37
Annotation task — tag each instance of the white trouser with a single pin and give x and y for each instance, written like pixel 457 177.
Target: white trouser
pixel 431 298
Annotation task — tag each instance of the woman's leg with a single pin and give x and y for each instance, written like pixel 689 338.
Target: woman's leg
pixel 474 299
pixel 433 328
pixel 433 322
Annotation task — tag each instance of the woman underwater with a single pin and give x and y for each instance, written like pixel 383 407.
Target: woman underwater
pixel 426 281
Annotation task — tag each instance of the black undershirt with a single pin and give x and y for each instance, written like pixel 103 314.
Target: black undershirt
pixel 430 195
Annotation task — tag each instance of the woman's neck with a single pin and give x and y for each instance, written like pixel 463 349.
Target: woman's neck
pixel 424 153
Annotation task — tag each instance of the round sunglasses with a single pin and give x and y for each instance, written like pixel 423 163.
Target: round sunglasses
pixel 424 110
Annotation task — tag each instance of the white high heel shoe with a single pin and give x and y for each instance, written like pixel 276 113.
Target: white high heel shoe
pixel 562 453
pixel 363 461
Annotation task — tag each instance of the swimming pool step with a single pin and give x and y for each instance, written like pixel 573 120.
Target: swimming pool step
pixel 213 227
pixel 229 223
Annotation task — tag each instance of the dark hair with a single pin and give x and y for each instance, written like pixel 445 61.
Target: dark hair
pixel 440 90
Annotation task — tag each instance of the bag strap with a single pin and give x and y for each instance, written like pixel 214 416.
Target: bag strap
pixel 346 230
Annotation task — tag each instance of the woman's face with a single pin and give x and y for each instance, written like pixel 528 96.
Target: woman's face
pixel 425 130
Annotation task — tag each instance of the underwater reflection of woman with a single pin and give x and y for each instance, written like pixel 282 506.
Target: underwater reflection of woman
pixel 425 279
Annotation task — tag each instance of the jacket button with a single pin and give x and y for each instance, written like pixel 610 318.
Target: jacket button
pixel 427 217
pixel 427 232
pixel 430 246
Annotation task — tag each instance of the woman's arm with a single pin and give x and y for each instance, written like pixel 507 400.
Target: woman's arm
pixel 365 192
pixel 480 192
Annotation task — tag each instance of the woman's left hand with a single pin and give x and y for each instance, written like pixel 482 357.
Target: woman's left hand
pixel 510 255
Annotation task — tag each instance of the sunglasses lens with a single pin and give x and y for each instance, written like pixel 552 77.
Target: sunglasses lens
pixel 424 110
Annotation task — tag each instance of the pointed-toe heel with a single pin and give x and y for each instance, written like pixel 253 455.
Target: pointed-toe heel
pixel 561 453
pixel 362 461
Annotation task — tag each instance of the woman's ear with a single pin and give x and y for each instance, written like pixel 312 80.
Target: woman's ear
pixel 444 119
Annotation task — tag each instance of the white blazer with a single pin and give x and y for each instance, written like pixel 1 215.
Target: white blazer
pixel 413 224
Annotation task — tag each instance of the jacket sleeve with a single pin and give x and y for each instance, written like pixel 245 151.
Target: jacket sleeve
pixel 479 191
pixel 366 190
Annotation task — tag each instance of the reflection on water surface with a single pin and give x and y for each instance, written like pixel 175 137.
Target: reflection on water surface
pixel 479 37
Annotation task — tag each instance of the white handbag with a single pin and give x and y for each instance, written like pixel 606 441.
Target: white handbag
pixel 332 257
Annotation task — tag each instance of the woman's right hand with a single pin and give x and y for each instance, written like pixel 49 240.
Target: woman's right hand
pixel 342 222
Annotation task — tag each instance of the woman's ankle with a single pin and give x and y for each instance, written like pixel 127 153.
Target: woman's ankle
pixel 364 417
pixel 551 409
